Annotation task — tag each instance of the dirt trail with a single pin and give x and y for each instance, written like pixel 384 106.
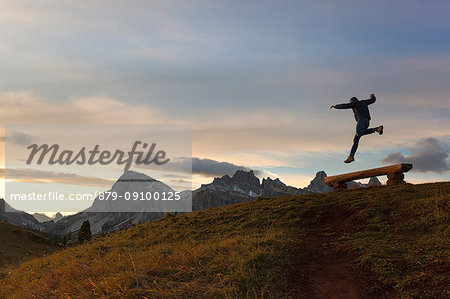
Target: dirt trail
pixel 324 269
pixel 332 272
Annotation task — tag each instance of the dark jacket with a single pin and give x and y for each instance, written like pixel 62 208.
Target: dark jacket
pixel 360 108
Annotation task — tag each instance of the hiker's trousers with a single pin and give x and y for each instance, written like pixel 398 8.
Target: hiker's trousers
pixel 361 129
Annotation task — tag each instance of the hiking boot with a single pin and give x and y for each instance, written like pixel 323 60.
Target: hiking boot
pixel 380 130
pixel 350 159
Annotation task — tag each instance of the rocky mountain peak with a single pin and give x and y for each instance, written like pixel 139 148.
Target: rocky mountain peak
pixel 317 185
pixel 274 188
pixel 247 183
pixel 242 181
pixel 58 216
pixel 374 181
pixel 321 175
pixel 269 183
pixel 246 177
pixel 130 175
pixel 218 181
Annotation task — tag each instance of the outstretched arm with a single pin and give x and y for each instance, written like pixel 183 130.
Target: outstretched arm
pixel 343 106
pixel 371 100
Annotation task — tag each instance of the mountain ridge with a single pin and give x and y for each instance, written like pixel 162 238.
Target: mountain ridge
pixel 243 186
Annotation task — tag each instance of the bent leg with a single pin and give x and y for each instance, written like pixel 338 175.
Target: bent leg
pixel 362 127
pixel 366 132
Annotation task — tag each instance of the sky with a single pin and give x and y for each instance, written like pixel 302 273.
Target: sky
pixel 255 79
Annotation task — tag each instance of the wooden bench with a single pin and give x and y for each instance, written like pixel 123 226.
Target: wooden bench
pixel 394 174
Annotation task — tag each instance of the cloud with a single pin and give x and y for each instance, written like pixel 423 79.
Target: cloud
pixel 42 176
pixel 203 167
pixel 18 138
pixel 87 110
pixel 428 154
pixel 210 168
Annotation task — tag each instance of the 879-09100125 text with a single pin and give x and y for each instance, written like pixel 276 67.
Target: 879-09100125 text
pixel 107 195
pixel 175 195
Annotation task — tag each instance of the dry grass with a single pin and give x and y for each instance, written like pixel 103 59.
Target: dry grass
pixel 18 244
pixel 399 234
pixel 237 251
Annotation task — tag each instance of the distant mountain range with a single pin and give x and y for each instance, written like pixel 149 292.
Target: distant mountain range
pixel 17 217
pixel 44 218
pixel 242 186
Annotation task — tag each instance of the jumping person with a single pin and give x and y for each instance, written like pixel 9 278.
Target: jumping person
pixel 362 116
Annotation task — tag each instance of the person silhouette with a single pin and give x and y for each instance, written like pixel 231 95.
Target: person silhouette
pixel 362 117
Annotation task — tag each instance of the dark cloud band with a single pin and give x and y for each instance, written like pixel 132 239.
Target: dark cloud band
pixel 208 167
pixel 428 154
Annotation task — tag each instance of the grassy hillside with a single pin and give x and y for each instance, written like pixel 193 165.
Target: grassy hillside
pixel 18 244
pixel 391 241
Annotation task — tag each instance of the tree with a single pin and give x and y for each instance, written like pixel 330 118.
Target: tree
pixel 85 232
pixel 69 236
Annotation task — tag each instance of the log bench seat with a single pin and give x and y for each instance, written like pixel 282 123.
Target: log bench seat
pixel 394 174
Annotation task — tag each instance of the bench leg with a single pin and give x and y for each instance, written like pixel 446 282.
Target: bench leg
pixel 395 179
pixel 340 186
